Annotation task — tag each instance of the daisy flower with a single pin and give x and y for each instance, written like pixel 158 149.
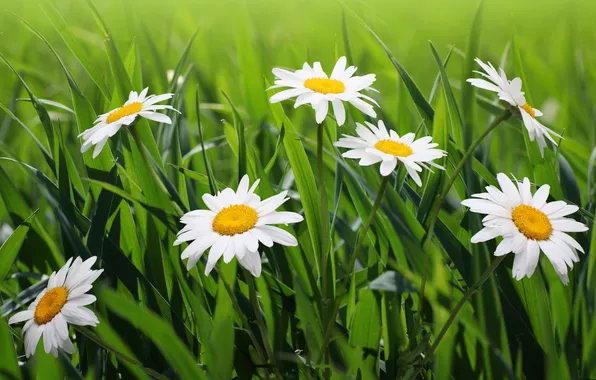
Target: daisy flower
pixel 379 145
pixel 527 224
pixel 233 226
pixel 108 124
pixel 62 302
pixel 312 86
pixel 510 91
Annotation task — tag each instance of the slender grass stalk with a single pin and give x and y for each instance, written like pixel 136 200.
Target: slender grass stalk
pixel 344 284
pixel 469 293
pixel 435 212
pixel 260 321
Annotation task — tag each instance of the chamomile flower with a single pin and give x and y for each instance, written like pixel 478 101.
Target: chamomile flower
pixel 510 92
pixel 311 85
pixel 108 124
pixel 233 226
pixel 61 303
pixel 375 145
pixel 527 224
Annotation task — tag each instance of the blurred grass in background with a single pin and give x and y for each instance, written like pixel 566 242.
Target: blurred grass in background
pixel 534 329
pixel 554 38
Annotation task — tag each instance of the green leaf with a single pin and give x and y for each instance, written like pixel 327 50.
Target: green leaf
pixel 365 332
pixel 9 366
pixel 11 247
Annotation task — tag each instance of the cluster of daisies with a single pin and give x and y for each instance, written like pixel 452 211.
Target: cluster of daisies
pixel 237 222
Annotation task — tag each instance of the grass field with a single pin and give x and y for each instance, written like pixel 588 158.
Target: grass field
pixel 377 278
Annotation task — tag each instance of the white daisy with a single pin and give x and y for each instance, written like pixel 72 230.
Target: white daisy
pixel 510 92
pixel 527 224
pixel 379 145
pixel 62 302
pixel 108 124
pixel 234 225
pixel 312 86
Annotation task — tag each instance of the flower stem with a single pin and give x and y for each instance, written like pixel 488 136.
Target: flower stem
pixel 325 233
pixel 469 293
pixel 435 213
pixel 350 267
pixel 260 321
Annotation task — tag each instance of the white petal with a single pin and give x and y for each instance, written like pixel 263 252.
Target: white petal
pixel 270 204
pixel 567 210
pixel 287 94
pixel 158 117
pixel 321 111
pixel 339 111
pixel 252 262
pixel 485 234
pixel 263 237
pixel 199 246
pixel 280 217
pixel 67 346
pixel 280 236
pixel 483 206
pixel 540 196
pixel 525 191
pixel 212 202
pixel 230 251
pixel 387 167
pixel 504 247
pixel 339 68
pixel 509 188
pixel 21 316
pixel 61 326
pixel 32 339
pixel 552 252
pixel 80 316
pixel 217 251
pixel 82 300
pixel 568 225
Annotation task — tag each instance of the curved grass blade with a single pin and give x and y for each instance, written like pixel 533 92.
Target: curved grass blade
pixel 159 331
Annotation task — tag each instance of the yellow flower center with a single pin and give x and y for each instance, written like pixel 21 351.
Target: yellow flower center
pixel 235 219
pixel 531 222
pixel 127 110
pixel 50 305
pixel 528 108
pixel 394 148
pixel 325 86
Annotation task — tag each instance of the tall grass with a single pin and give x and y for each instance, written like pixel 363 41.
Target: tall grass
pixel 380 265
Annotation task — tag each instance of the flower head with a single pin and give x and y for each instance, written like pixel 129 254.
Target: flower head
pixel 62 302
pixel 379 145
pixel 233 226
pixel 510 91
pixel 108 124
pixel 312 86
pixel 527 225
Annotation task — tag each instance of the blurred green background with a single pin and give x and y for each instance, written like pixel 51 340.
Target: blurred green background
pixel 237 44
pixel 555 40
